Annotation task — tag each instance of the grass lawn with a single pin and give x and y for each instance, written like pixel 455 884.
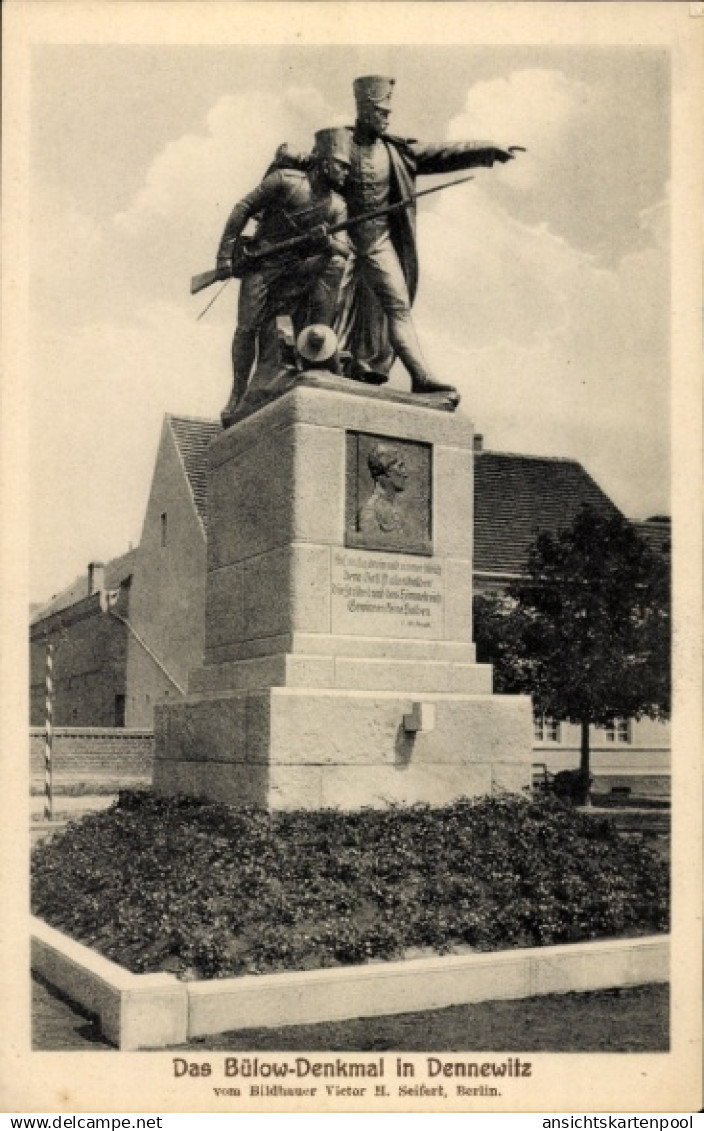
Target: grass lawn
pixel 635 1019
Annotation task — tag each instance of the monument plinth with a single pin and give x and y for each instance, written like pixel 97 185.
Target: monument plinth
pixel 339 668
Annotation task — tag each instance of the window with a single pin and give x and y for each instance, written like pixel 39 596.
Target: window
pixel 618 731
pixel 546 729
pixel 164 530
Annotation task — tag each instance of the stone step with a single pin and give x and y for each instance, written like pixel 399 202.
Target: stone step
pixel 412 676
pixel 334 644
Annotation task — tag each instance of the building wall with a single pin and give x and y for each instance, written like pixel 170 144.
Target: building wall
pixel 646 736
pixel 89 664
pixel 641 765
pixel 167 603
pixel 647 750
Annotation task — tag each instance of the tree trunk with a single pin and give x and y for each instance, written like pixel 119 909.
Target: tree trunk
pixel 582 797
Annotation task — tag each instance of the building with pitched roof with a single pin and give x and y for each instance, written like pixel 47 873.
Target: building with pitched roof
pixel 517 497
pixel 89 648
pixel 126 634
pixel 118 655
pixel 657 533
pixel 167 602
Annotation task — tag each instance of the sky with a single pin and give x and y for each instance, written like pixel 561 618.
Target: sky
pixel 544 284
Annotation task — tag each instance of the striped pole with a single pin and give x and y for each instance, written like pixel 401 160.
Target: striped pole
pixel 48 769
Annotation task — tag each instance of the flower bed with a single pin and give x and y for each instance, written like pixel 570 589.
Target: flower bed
pixel 205 891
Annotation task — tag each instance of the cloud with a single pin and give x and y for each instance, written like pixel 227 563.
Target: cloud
pixel 203 174
pixel 538 109
pixel 594 161
pixel 510 281
pixel 554 352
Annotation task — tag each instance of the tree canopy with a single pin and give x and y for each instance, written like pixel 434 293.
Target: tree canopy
pixel 587 633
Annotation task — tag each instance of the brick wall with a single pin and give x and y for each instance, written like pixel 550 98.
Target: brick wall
pixel 94 754
pixel 89 664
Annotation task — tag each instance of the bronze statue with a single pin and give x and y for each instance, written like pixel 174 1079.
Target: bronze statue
pixel 375 322
pixel 380 515
pixel 302 282
pixel 299 264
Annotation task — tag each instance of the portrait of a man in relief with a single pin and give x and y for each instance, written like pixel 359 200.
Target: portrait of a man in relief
pixel 380 513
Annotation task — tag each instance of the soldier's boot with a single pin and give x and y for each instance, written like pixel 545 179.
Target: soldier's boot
pixel 426 386
pixel 243 354
pixel 227 416
pixel 407 347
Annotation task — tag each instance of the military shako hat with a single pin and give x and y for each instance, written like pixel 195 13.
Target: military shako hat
pixel 374 88
pixel 333 143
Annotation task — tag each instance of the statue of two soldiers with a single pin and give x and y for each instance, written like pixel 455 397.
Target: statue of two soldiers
pixel 354 263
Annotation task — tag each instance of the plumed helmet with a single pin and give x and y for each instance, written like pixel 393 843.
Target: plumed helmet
pixel 333 143
pixel 316 343
pixel 374 88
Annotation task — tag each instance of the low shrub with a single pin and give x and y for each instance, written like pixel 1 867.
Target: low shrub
pixel 204 890
pixel 567 785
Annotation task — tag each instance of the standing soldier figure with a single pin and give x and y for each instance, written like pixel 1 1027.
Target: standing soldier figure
pixel 303 283
pixel 376 323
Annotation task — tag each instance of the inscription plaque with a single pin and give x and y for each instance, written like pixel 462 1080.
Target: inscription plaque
pixel 387 595
pixel 388 501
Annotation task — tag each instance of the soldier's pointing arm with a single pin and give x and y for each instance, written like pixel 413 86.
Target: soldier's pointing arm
pixel 449 157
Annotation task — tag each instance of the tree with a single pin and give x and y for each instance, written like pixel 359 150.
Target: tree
pixel 587 633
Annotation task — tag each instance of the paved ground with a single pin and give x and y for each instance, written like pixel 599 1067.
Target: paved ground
pixel 57 1024
pixel 71 807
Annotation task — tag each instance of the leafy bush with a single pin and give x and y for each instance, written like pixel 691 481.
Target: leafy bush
pixel 208 891
pixel 568 786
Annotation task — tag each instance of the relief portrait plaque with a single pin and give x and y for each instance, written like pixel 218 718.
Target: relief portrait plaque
pixel 388 494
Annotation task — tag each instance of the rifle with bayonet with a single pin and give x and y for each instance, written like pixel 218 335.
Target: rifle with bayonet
pixel 247 254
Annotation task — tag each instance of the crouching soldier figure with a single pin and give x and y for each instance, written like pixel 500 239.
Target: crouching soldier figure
pixel 302 282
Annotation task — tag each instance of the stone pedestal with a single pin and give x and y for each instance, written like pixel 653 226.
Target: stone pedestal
pixel 339 668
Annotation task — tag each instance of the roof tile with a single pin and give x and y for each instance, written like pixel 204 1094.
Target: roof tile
pixel 657 533
pixel 517 497
pixel 193 436
pixel 116 571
